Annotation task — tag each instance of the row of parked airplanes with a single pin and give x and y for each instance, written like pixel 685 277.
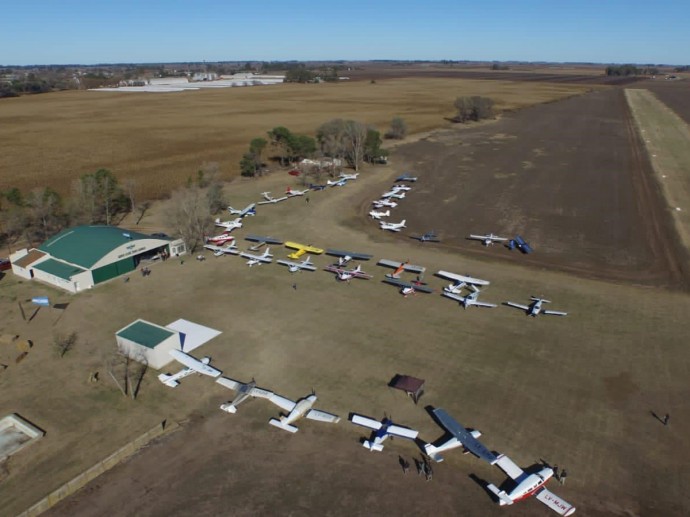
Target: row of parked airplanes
pixel 522 485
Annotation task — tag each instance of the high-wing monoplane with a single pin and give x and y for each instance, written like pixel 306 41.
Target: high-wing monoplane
pixel 535 307
pixel 301 249
pixel 261 240
pixel 469 300
pixel 294 267
pixel 382 430
pixel 380 203
pixel 345 256
pixel 250 209
pixel 268 199
pixel 378 215
pixel 427 237
pixel 393 194
pixel 459 281
pixel 229 225
pixel 348 274
pixel 459 437
pixel 409 288
pixel 393 227
pixel 298 409
pixel 193 365
pixel 257 260
pixel 400 267
pixel 219 251
pixel 244 391
pixel 489 239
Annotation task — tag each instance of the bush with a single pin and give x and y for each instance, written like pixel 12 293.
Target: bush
pixel 398 129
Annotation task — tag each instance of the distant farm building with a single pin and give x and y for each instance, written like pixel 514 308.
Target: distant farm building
pixel 196 82
pixel 79 258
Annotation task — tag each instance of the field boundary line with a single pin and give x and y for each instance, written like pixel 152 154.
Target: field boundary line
pixel 81 480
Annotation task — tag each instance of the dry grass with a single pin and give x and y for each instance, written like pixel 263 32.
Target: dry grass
pixel 162 139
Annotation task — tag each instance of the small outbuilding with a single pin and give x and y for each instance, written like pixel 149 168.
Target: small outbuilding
pixel 413 386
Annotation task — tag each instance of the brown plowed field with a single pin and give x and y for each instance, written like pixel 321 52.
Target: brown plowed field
pixel 675 94
pixel 571 177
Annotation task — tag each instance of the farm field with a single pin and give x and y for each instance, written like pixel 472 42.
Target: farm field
pixel 161 140
pixel 672 93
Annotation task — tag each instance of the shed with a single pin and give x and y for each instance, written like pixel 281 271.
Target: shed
pixel 153 342
pixel 413 386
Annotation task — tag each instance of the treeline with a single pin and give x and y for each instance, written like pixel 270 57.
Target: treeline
pixel 473 108
pixel 299 73
pixel 625 70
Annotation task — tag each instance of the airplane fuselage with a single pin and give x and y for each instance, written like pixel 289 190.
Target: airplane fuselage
pixel 530 485
pixel 300 409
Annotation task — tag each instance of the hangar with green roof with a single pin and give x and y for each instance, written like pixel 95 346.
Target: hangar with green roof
pixel 83 256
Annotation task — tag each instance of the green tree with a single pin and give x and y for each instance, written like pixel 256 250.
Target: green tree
pixel 256 149
pixel 372 146
pixel 280 140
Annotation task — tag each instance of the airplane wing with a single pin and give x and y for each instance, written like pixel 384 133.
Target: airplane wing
pixel 509 467
pixel 465 437
pixel 282 402
pixel 453 296
pixel 408 267
pixel 518 306
pixel 484 304
pixel 365 421
pixel 265 202
pixel 322 416
pixel 334 269
pixel 402 432
pixel 554 502
pixel 361 274
pixel 264 239
pixel 352 254
pixel 229 383
pixel 554 313
pixel 261 393
pixel 462 278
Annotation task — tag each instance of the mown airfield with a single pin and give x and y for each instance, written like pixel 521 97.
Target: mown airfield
pixel 574 176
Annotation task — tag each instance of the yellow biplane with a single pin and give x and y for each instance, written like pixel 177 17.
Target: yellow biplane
pixel 301 249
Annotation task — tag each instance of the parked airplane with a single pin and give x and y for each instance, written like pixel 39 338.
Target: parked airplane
pixel 223 238
pixel 229 225
pixel 219 251
pixel 527 485
pixel 406 177
pixel 294 267
pixel 244 391
pixel 257 260
pixel 459 281
pixel 520 243
pixel 460 437
pixel 427 237
pixel 338 183
pixel 261 240
pixel 268 199
pixel 535 307
pixel 293 193
pixel 302 249
pixel 297 410
pixel 192 364
pixel 348 274
pixel 345 256
pixel 408 288
pixel 393 194
pixel 399 188
pixel 378 215
pixel 348 176
pixel 400 267
pixel 470 299
pixel 247 210
pixel 488 239
pixel 382 430
pixel 380 203
pixel 393 227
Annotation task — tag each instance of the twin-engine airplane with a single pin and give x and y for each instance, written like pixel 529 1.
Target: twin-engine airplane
pixel 268 199
pixel 193 365
pixel 297 410
pixel 348 274
pixel 535 307
pixel 229 225
pixel 470 299
pixel 408 288
pixel 257 260
pixel 393 227
pixel 244 391
pixel 247 210
pixel 378 215
pixel 382 430
pixel 294 267
pixel 488 240
pixel 219 251
pixel 302 249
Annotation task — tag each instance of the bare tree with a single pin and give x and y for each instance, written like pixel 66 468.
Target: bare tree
pixel 64 342
pixel 190 214
pixel 130 188
pixel 45 206
pixel 354 139
pixel 398 129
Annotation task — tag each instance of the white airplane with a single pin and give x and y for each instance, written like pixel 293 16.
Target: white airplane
pixel 382 430
pixel 192 364
pixel 459 281
pixel 408 288
pixel 393 193
pixel 223 238
pixel 348 176
pixel 268 199
pixel 393 227
pixel 470 299
pixel 297 410
pixel 348 274
pixel 535 307
pixel 293 193
pixel 406 177
pixel 398 188
pixel 244 391
pixel 378 215
pixel 488 239
pixel 338 183
pixel 229 225
pixel 380 203
pixel 527 485
pixel 294 267
pixel 247 210
pixel 460 437
pixel 255 260
pixel 219 251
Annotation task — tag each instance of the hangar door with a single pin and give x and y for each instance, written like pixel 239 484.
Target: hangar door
pixel 113 270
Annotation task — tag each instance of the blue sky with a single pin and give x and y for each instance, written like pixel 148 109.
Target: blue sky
pixel 139 31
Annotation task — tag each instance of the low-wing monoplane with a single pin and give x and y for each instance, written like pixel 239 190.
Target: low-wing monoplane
pixel 469 300
pixel 337 183
pixel 292 193
pixel 393 227
pixel 348 274
pixel 528 484
pixel 257 260
pixel 427 237
pixel 400 267
pixel 380 203
pixel 218 240
pixel 250 209
pixel 406 177
pixel 244 391
pixel 393 194
pixel 535 308
pixel 219 251
pixel 409 288
pixel 382 430
pixel 489 239
pixel 348 176
pixel 298 409
pixel 301 249
pixel 261 240
pixel 268 199
pixel 193 365
pixel 378 215
pixel 229 225
pixel 459 437
pixel 294 267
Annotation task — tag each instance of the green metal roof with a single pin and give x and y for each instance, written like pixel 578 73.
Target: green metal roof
pixel 59 269
pixel 86 245
pixel 145 334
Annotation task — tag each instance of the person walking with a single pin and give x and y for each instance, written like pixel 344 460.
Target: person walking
pixel 561 478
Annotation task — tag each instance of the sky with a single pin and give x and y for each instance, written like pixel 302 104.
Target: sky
pixel 148 31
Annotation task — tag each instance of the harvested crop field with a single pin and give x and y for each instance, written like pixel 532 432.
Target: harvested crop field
pixel 674 93
pixel 162 139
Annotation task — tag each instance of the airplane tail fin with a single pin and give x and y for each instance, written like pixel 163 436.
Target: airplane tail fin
pixel 228 407
pixel 166 379
pixel 285 427
pixel 432 452
pixel 372 446
pixel 503 498
pixel 403 222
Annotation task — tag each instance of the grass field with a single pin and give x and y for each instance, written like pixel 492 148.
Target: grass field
pixel 162 139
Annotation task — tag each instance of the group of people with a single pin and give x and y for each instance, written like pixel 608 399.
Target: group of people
pixel 145 271
pixel 423 467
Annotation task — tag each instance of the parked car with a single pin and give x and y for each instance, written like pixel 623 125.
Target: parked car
pixel 5 264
